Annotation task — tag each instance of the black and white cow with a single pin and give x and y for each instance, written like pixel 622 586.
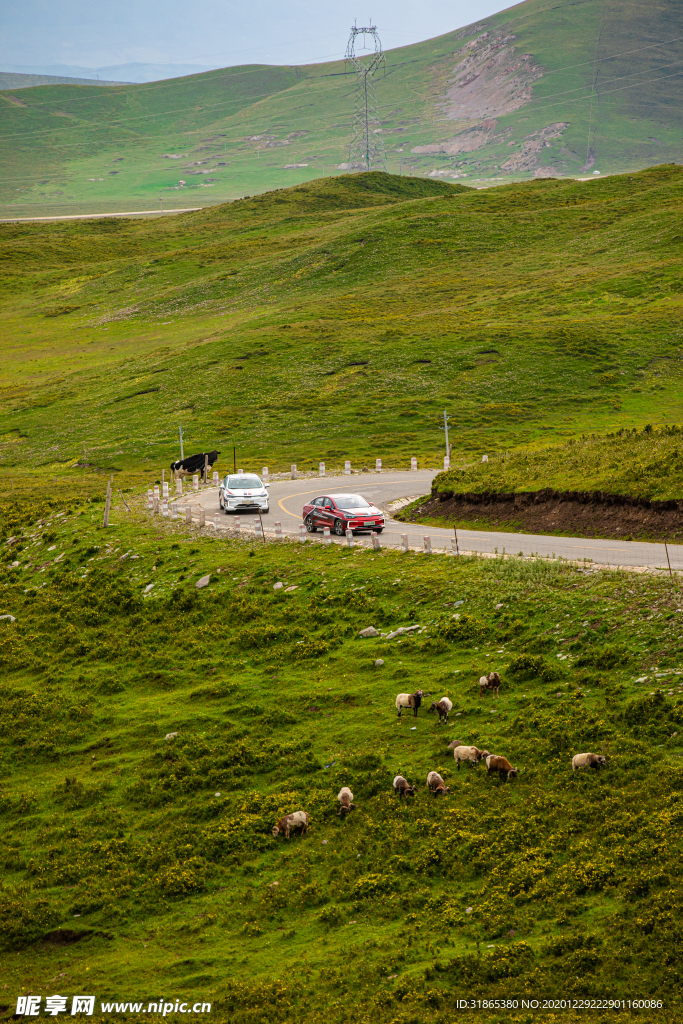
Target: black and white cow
pixel 193 464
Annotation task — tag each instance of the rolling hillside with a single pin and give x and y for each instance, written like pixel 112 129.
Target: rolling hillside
pixel 339 318
pixel 543 89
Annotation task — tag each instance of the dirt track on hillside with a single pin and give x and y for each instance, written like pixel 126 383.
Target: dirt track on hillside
pixel 563 516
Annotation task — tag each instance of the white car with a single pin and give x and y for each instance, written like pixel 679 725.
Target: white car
pixel 243 492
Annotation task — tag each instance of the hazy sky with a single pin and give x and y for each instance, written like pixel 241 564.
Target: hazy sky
pixel 217 33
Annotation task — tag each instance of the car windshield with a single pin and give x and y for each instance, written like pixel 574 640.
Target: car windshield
pixel 243 482
pixel 350 501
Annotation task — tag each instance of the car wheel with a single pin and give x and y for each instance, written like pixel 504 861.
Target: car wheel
pixel 339 528
pixel 380 529
pixel 310 525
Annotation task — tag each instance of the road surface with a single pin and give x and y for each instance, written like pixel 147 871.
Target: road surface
pixel 287 498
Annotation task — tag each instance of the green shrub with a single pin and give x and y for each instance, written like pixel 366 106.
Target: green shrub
pixel 464 630
pixel 533 666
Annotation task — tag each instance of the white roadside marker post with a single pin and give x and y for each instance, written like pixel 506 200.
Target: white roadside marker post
pixel 188 514
pixel 150 498
pixel 378 465
pixel 164 507
pixel 174 511
pixel 427 541
pixel 292 471
pixel 195 482
pixel 321 469
pixel 278 531
pixel 264 472
pixel 326 535
pixel 179 486
pixel 164 489
pixel 404 543
pixel 215 478
pixel 217 520
pixel 237 523
pixel 156 491
pixel 155 504
pixel 347 468
pixel 302 532
pixel 484 458
pixel 202 517
pixel 258 530
pixel 413 465
pixel 375 542
pixel 446 462
pixel 107 505
pixel 349 538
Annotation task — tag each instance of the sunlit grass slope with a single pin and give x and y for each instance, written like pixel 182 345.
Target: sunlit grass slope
pixel 139 867
pixel 561 88
pixel 338 319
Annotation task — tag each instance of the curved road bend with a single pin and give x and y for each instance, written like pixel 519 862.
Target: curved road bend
pixel 287 498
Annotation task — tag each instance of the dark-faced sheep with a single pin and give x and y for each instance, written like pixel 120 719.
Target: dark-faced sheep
pixel 409 700
pixel 490 682
pixel 436 784
pixel 345 798
pixel 444 706
pixel 588 761
pixel 291 822
pixel 471 754
pixel 496 763
pixel 402 787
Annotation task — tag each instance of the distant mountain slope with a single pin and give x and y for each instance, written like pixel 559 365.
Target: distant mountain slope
pixel 546 88
pixel 18 80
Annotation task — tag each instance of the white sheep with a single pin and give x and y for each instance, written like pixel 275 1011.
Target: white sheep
pixel 588 761
pixel 444 707
pixel 471 754
pixel 401 786
pixel 345 798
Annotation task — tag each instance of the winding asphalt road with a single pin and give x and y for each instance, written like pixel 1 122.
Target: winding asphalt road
pixel 287 498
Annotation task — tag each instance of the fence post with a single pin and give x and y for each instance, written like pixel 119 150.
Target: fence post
pixel 206 469
pixel 378 465
pixel 413 465
pixel 292 471
pixel 278 530
pixel 302 532
pixel 347 468
pixel 326 535
pixel 457 549
pixel 427 542
pixel 179 485
pixel 404 542
pixel 107 505
pixel 375 542
pixel 321 469
pixel 195 482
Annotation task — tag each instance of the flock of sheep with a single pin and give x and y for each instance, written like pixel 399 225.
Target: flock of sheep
pixel 435 783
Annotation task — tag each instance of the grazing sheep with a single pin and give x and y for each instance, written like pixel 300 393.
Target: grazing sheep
pixel 496 763
pixel 443 707
pixel 345 798
pixel 436 784
pixel 409 700
pixel 588 761
pixel 298 819
pixel 471 754
pixel 489 682
pixel 402 788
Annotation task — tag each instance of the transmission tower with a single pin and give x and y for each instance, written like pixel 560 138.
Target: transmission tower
pixel 367 146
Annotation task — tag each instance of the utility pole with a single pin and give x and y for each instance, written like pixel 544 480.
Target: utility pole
pixel 446 418
pixel 367 147
pixel 180 431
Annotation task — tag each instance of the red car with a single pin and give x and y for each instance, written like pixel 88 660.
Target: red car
pixel 342 512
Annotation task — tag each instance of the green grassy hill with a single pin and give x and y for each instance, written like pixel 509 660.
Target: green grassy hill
pixel 338 319
pixel 542 89
pixel 142 868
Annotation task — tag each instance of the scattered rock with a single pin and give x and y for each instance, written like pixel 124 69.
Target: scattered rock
pixel 52 547
pixel 379 662
pixel 14 565
pixel 290 589
pixel 499 606
pixel 203 582
pixel 278 586
pixel 456 604
pixel 325 841
pixel 469 910
pixel 216 794
pixel 273 885
pixel 11 618
pixel 170 735
pixel 369 631
pixel 148 588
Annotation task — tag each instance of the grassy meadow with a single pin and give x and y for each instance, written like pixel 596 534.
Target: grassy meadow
pixel 141 868
pixel 562 89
